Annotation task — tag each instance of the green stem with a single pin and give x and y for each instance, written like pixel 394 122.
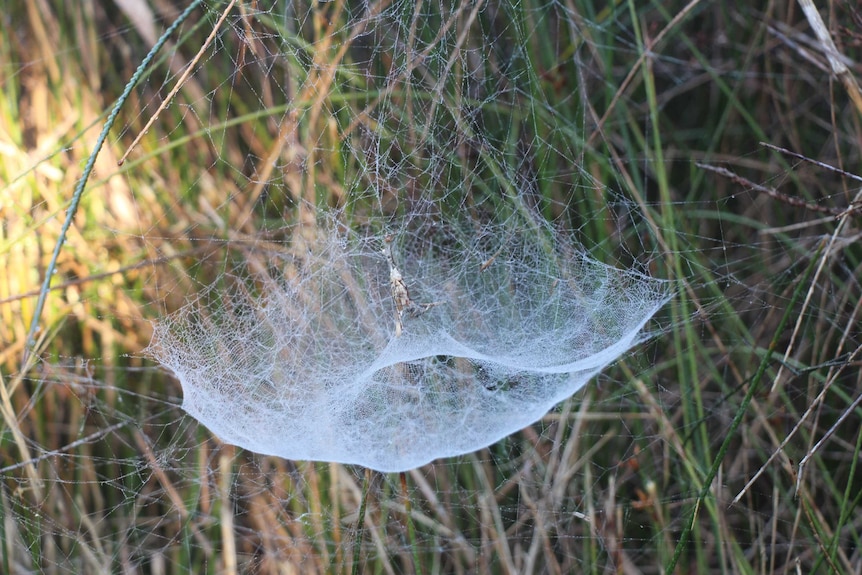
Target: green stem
pixel 411 528
pixel 357 541
pixel 88 169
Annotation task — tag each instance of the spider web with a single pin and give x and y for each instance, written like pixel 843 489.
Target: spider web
pixel 313 369
pixel 540 390
pixel 305 368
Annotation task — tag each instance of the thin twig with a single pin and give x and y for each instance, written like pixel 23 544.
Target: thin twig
pixel 798 156
pixel 66 448
pixel 827 435
pixel 780 449
pixel 180 83
pixel 100 276
pixel 839 68
pixel 773 193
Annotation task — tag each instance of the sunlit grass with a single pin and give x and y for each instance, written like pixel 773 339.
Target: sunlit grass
pixel 101 472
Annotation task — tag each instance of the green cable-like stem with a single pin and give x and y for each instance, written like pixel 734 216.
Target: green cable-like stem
pixel 740 413
pixel 411 528
pixel 88 169
pixel 357 541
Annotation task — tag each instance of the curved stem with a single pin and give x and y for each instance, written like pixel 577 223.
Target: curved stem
pixel 88 169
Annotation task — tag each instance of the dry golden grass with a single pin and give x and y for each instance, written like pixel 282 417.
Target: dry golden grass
pixel 101 473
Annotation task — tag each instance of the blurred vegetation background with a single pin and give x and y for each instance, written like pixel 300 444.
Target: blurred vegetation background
pixel 101 473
